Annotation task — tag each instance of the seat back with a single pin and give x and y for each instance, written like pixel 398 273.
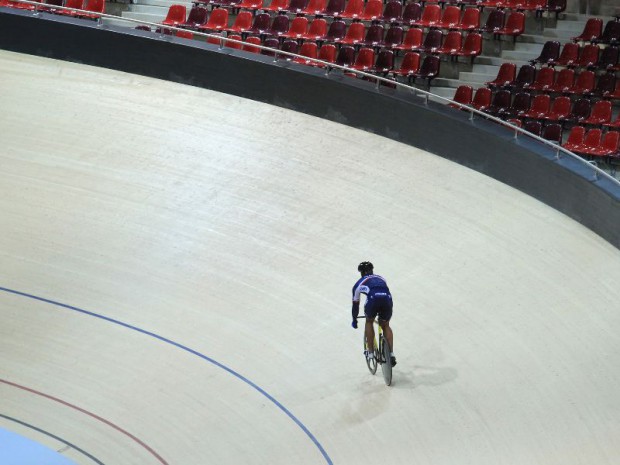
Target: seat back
pixel 385 61
pixel 463 94
pixel 374 35
pixel 611 141
pixel 413 38
pixel 197 16
pixel 278 5
pixel 315 7
pixel 233 45
pixel 452 43
pixel 394 36
pixel 501 99
pixel 576 135
pixel 297 6
pixel 535 127
pixel 592 30
pixel 334 7
pixel 515 24
pixel 353 9
pixel 565 79
pixel 243 21
pixel 261 23
pixel 248 47
pixel 432 40
pixel 95 6
pixel 218 19
pixel 495 21
pixel 589 56
pixel 541 103
pixel 299 26
pixel 561 107
pixel 337 30
pixel 290 46
pixel 346 56
pixel 605 84
pixel 569 54
pixel 373 10
pixel 593 138
pixel 526 76
pixel 431 15
pixel 411 62
pixel 506 74
pixel 601 111
pixel 309 49
pixel 470 20
pixel 429 67
pixel 611 32
pixel 544 78
pixel 176 13
pixel 318 28
pixel 271 42
pixel 365 58
pixel 581 109
pixel 549 52
pixel 472 44
pixel 585 82
pixel 521 102
pixel 356 32
pixel 553 133
pixel 279 25
pixel 450 17
pixel 609 57
pixel 411 13
pixel 327 52
pixel 393 11
pixel 482 98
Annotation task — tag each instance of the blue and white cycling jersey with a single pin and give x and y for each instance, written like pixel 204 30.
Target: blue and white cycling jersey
pixel 372 285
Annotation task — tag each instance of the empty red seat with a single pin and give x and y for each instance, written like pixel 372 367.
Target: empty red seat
pixel 297 6
pixel 372 11
pixel 317 31
pixel 374 36
pixel 409 65
pixel 560 110
pixel 575 138
pixel 95 7
pixel 279 26
pixel 277 6
pixel 494 22
pixel 336 32
pixel 539 108
pixel 515 26
pixel 334 8
pixel 299 27
pixel 260 24
pixel 353 9
pixel 470 20
pixel 218 21
pixel 525 77
pixel 472 46
pixel 327 53
pixel 384 62
pixel 588 57
pixel 601 114
pixel 229 41
pixel 243 23
pixel 412 12
pixel 615 124
pixel 429 70
pixel 346 56
pixel 544 79
pixel 431 15
pixel 611 33
pixel 308 50
pixel 482 98
pixel 584 84
pixel 591 142
pixel 355 34
pixel 580 111
pixel 251 5
pixel 412 40
pixel 553 133
pixel 519 106
pixel 609 146
pixel 393 36
pixel 198 15
pixel 568 56
pixel 451 45
pixel 432 41
pixel 314 7
pixel 608 59
pixel 505 76
pixel 392 12
pixel 549 53
pixel 499 103
pixel 450 17
pixel 365 59
pixel 176 15
pixel 463 95
pixel 591 31
pixel 563 82
pixel 605 85
pixel 251 43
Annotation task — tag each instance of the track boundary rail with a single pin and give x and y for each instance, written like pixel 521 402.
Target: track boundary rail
pixel 559 150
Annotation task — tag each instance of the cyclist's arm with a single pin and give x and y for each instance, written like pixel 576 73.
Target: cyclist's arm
pixel 355 310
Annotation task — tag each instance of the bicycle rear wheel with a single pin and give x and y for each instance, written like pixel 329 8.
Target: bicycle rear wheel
pixel 386 361
pixel 371 363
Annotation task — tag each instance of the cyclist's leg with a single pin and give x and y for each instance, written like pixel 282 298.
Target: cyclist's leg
pixel 385 314
pixel 370 313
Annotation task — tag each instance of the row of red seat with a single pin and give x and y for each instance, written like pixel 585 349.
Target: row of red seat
pixel 539 107
pixel 572 55
pixel 593 144
pixel 565 81
pixel 95 7
pixel 593 32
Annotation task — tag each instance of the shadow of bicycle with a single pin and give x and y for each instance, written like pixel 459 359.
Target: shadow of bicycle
pixel 424 376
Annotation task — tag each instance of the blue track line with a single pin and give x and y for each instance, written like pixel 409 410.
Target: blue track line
pixel 187 349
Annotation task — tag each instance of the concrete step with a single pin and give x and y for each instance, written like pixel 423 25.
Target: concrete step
pixel 485 69
pixel 497 61
pixel 474 78
pixel 163 3
pixel 151 18
pixel 573 26
pixel 452 84
pixel 562 36
pixel 118 23
pixel 511 55
pixel 148 9
pixel 528 47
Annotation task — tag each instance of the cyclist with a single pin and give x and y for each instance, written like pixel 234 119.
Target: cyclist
pixel 378 302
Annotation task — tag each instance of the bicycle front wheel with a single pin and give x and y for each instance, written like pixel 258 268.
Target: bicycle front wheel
pixel 386 361
pixel 371 363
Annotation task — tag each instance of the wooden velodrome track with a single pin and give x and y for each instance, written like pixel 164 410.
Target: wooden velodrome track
pixel 175 289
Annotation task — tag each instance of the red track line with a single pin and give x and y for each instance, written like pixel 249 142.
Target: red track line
pixel 90 414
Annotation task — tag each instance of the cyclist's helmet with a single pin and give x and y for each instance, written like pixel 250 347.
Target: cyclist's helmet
pixel 365 268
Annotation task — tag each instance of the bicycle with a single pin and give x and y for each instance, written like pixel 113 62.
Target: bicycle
pixel 382 354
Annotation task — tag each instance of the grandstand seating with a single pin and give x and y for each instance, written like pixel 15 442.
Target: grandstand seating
pixel 176 15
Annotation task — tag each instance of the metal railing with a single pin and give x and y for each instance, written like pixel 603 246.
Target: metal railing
pixel 277 53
